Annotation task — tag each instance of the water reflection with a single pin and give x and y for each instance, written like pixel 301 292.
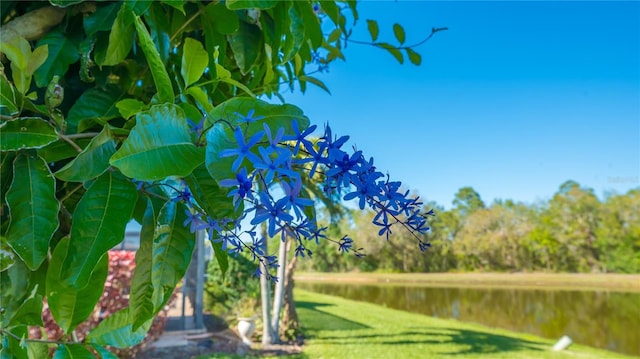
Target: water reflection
pixel 603 319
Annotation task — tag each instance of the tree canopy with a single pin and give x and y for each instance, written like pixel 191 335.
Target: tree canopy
pixel 157 111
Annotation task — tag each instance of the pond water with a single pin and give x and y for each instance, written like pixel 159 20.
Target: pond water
pixel 604 319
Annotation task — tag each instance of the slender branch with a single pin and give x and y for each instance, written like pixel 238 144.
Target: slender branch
pixel 66 196
pixel 44 341
pixel 69 141
pixel 377 44
pixel 186 23
pixel 82 135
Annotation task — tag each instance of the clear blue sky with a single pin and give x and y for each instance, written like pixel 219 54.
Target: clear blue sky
pixel 513 100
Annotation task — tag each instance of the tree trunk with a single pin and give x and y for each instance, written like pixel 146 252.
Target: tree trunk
pixel 290 324
pixel 265 294
pixel 278 296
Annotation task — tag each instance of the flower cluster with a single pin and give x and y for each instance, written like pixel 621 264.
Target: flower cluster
pixel 272 169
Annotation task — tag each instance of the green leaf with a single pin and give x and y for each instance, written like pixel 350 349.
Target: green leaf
pixel 92 161
pixel 399 32
pixel 202 100
pixel 71 306
pixel 116 331
pixel 311 23
pixel 98 225
pixel 414 57
pixel 224 20
pixel 104 353
pixel 8 101
pixel 120 39
pixel 29 310
pixel 177 4
pixel 65 3
pixel 250 4
pixel 62 53
pixel 158 71
pixel 37 58
pixel 172 250
pixel 34 209
pixel 10 348
pixel 247 44
pixel 373 29
pixel 26 132
pixel 194 60
pixel 14 287
pixel 141 306
pixel 209 195
pixel 102 19
pixel 159 146
pixel 72 351
pixel 37 350
pixel 93 105
pixel 130 107
pixel 7 257
pixel 220 137
pixel 316 82
pixel 60 150
pixel 393 51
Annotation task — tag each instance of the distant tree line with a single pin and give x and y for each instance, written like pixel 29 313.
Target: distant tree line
pixel 574 231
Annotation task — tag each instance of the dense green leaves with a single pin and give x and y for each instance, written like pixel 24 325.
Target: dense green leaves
pixel 33 207
pixel 26 132
pixel 220 136
pixel 95 105
pixel 251 4
pixel 62 53
pixel 102 19
pixel 98 224
pixel 7 257
pixel 92 161
pixel 158 71
pixel 71 306
pixel 161 137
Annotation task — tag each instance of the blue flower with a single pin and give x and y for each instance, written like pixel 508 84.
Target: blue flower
pixel 292 199
pixel 249 117
pixel 194 221
pixel 345 244
pixel 244 149
pixel 300 137
pixel 196 128
pixel 274 213
pixel 243 183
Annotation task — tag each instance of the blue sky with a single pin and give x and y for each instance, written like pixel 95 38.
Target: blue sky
pixel 513 100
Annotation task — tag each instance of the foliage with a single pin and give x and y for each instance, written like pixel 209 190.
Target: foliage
pixel 223 293
pixel 114 298
pixel 574 231
pixel 152 110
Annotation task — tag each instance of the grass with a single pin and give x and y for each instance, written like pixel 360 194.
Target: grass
pixel 338 328
pixel 622 282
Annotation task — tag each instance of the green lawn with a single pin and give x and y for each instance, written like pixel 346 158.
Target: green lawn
pixel 338 328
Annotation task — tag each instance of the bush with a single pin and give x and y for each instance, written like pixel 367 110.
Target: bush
pixel 114 298
pixel 224 295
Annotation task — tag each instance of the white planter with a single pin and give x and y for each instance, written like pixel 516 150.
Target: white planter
pixel 246 327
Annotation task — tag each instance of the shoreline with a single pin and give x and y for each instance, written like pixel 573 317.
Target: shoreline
pixel 562 281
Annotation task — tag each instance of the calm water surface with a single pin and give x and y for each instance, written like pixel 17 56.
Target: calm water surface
pixel 603 319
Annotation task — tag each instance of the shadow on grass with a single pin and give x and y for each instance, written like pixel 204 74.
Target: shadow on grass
pixel 445 341
pixel 323 320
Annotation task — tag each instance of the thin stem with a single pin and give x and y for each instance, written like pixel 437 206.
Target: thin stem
pixel 66 196
pixel 82 135
pixel 376 44
pixel 44 341
pixel 186 23
pixel 69 141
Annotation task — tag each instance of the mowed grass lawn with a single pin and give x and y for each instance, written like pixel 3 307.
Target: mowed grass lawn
pixel 338 328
